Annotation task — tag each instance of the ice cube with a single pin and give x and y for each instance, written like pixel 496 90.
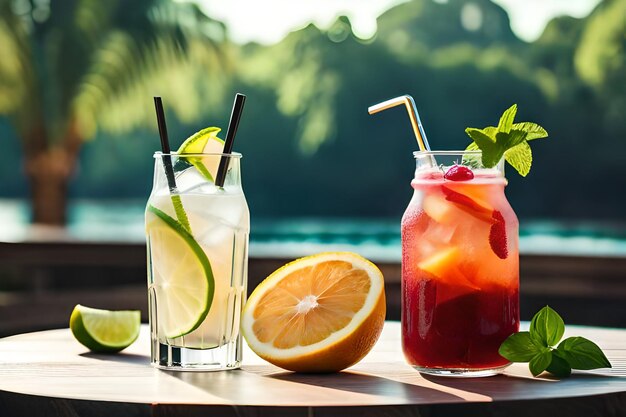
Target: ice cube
pixel 215 219
pixel 440 210
pixel 192 181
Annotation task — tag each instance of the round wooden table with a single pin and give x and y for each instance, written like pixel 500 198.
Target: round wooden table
pixel 50 374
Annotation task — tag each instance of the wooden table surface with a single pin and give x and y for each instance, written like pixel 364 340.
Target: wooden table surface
pixel 49 373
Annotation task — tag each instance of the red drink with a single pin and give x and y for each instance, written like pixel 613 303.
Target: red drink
pixel 460 270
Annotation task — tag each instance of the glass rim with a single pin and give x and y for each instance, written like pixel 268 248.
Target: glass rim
pixel 446 153
pixel 159 154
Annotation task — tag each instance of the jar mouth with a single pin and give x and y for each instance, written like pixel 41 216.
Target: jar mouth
pixel 431 162
pixel 417 154
pixel 160 154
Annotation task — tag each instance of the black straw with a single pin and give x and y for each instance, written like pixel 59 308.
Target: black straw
pixel 165 144
pixel 233 125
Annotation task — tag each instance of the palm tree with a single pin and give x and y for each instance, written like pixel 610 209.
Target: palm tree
pixel 69 67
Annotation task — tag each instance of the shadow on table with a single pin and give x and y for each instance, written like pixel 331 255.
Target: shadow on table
pixel 401 392
pixel 520 396
pixel 128 358
pixel 297 389
pixel 509 387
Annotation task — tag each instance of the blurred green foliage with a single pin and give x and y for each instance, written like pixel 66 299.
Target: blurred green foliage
pixel 310 149
pixel 97 63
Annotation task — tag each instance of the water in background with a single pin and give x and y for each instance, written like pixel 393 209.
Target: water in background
pixel 377 239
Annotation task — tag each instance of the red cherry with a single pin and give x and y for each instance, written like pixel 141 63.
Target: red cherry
pixel 497 236
pixel 459 173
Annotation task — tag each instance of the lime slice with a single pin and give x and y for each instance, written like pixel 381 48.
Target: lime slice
pixel 204 141
pixel 183 278
pixel 104 330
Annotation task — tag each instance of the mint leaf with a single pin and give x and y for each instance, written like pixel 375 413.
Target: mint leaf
pixel 533 130
pixel 491 132
pixel 519 347
pixel 547 327
pixel 540 362
pixel 511 139
pixel 492 151
pixel 559 366
pixel 506 120
pixel 480 138
pixel 582 353
pixel 492 157
pixel 520 157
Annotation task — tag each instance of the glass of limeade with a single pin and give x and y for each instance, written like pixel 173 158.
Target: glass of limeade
pixel 197 241
pixel 460 266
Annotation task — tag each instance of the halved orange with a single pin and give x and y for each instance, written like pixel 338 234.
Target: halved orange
pixel 321 313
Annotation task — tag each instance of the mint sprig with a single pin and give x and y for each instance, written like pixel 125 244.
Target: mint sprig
pixel 539 347
pixel 508 139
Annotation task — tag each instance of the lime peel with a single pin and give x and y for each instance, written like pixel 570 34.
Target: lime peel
pixel 181 214
pixel 204 141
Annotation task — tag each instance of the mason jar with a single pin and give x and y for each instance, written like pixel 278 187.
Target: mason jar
pixel 460 266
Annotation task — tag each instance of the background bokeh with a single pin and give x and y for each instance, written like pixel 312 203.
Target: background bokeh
pixel 78 130
pixel 77 79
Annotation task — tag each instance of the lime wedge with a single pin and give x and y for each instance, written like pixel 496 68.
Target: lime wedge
pixel 103 330
pixel 204 141
pixel 183 278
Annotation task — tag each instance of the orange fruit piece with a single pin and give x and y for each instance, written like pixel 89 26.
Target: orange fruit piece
pixel 321 313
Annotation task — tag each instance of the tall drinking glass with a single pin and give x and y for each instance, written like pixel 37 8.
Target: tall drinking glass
pixel 197 241
pixel 460 266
